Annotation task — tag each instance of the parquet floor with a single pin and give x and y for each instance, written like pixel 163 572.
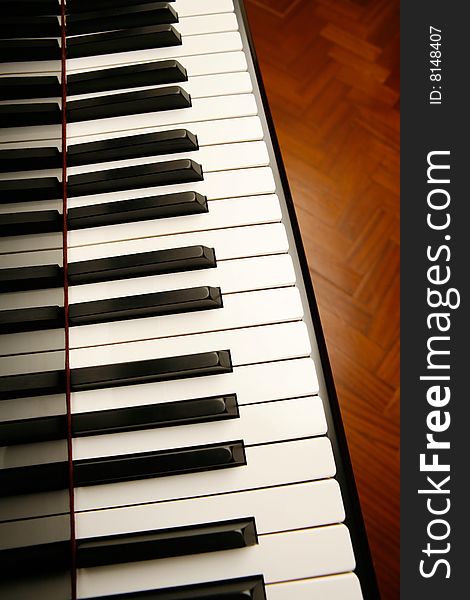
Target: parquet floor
pixel 331 70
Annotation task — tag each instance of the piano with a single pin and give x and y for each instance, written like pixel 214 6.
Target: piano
pixel 169 428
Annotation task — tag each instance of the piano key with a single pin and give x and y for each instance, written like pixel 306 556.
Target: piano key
pixel 36 559
pixel 143 371
pixel 29 27
pixel 26 159
pixel 213 23
pixel 334 587
pixel 228 243
pixel 194 45
pixel 134 146
pixel 186 8
pixel 14 88
pixel 32 259
pixel 146 175
pixel 129 103
pixel 27 223
pixel 33 189
pixel 244 588
pixel 253 383
pixel 154 73
pixel 26 115
pixel 78 6
pixel 139 209
pixel 164 543
pixel 31 384
pixel 30 278
pixel 142 263
pixel 239 310
pixel 266 466
pixel 311 552
pixel 31 319
pixel 33 478
pixel 31 7
pixel 284 508
pixel 247 346
pixel 28 50
pixel 170 414
pixel 122 469
pixel 137 38
pixel 203 109
pixel 258 424
pixel 28 431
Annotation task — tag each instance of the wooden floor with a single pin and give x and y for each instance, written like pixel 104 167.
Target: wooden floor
pixel 331 70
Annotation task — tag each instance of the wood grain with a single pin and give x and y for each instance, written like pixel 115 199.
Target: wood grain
pixel 331 71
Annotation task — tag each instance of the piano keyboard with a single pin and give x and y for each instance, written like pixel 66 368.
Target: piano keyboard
pixel 168 424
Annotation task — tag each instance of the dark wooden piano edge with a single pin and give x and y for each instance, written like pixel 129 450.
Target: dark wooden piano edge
pixel 345 476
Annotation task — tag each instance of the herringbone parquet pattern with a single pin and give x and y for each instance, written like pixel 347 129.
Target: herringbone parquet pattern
pixel 331 69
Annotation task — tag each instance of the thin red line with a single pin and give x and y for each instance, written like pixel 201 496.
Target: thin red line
pixel 73 545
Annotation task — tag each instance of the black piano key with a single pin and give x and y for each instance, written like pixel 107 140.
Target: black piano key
pixel 34 479
pixel 142 264
pixel 145 305
pixel 23 190
pixel 31 319
pixel 32 384
pixel 246 588
pixel 41 221
pixel 16 279
pixel 19 88
pixel 116 17
pixel 77 6
pixel 29 50
pixel 168 414
pixel 166 543
pixel 147 74
pixel 138 209
pixel 129 103
pixel 39 559
pixel 25 115
pixel 130 467
pixel 30 7
pixel 29 159
pixel 28 431
pixel 139 176
pixel 29 27
pixel 127 40
pixel 148 371
pixel 133 146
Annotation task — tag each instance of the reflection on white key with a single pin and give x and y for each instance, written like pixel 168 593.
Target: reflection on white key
pixel 267 465
pixel 275 509
pixel 311 552
pixel 258 424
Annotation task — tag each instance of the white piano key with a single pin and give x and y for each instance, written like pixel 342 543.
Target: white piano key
pixel 30 532
pixel 223 157
pixel 186 8
pixel 33 454
pixel 216 185
pixel 254 210
pixel 336 587
pixel 247 346
pixel 223 62
pixel 267 465
pixel 202 109
pixel 31 299
pixel 207 23
pixel 193 45
pixel 204 86
pixel 258 424
pixel 251 383
pixel 224 131
pixel 31 259
pixel 34 505
pixel 31 206
pixel 32 363
pixel 311 552
pixel 236 242
pixel 30 408
pixel 240 310
pixel 275 509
